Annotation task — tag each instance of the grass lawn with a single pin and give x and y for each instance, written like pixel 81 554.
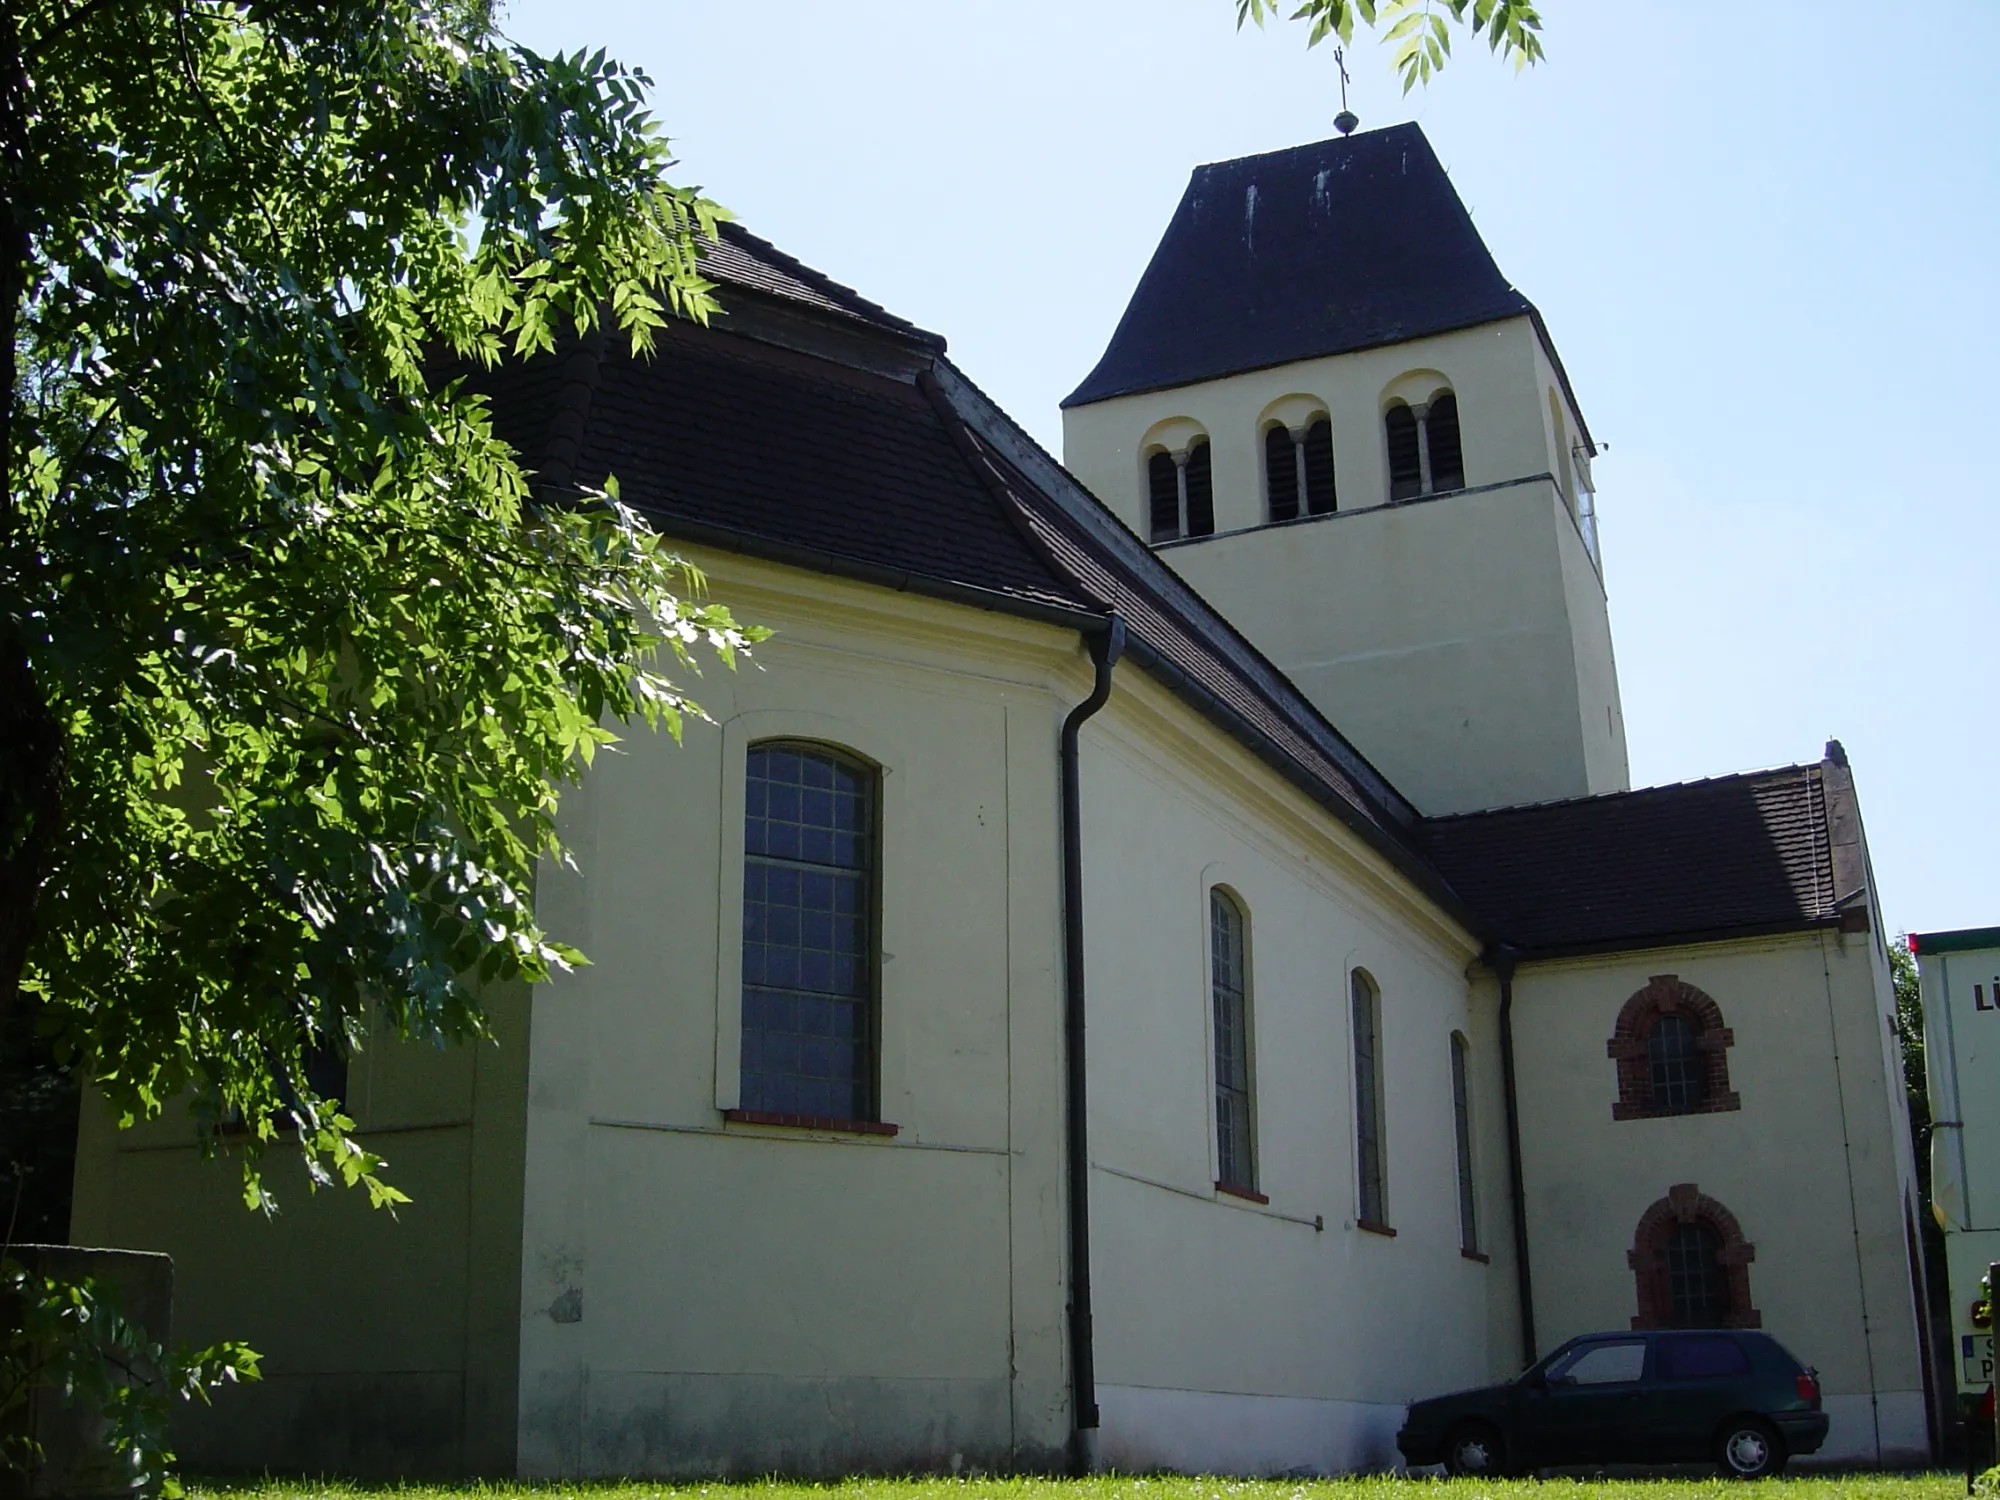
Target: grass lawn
pixel 1931 1486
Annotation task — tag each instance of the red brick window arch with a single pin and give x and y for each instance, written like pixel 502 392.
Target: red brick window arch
pixel 1692 1264
pixel 1672 1052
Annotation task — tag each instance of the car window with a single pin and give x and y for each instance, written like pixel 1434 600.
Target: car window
pixel 1603 1364
pixel 1701 1357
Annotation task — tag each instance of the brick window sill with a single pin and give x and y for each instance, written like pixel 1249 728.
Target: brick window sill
pixel 1479 1255
pixel 1248 1195
pixel 1374 1228
pixel 809 1122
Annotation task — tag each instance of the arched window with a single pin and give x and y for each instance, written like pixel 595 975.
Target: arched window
pixel 1440 426
pixel 1672 1051
pixel 1321 500
pixel 1281 472
pixel 1406 456
pixel 1461 1121
pixel 1674 1066
pixel 1180 492
pixel 1691 1264
pixel 1200 508
pixel 1163 491
pixel 1697 1296
pixel 1235 1144
pixel 1298 470
pixel 1425 456
pixel 1371 1197
pixel 809 869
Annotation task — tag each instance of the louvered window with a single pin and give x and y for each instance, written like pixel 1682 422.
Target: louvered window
pixel 1320 497
pixel 1298 471
pixel 1406 461
pixel 1236 1165
pixel 1425 456
pixel 1180 493
pixel 1163 484
pixel 1281 472
pixel 808 934
pixel 1200 491
pixel 1447 459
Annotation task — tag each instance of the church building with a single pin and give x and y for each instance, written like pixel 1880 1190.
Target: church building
pixel 1157 963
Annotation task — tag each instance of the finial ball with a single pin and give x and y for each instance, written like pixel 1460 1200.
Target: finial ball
pixel 1345 121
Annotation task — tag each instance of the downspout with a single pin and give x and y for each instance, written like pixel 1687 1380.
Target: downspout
pixel 1105 650
pixel 1502 960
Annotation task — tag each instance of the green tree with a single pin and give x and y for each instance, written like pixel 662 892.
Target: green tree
pixel 293 661
pixel 1420 30
pixel 1916 1081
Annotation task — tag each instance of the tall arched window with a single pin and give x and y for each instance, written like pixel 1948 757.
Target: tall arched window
pixel 1229 975
pixel 1281 472
pixel 1371 1197
pixel 809 867
pixel 1163 494
pixel 1691 1264
pixel 1406 453
pixel 1461 1121
pixel 1441 432
pixel 1425 455
pixel 1180 492
pixel 1672 1051
pixel 1298 470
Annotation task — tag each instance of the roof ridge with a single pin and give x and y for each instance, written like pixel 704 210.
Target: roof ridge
pixel 994 483
pixel 1802 767
pixel 849 300
pixel 1400 127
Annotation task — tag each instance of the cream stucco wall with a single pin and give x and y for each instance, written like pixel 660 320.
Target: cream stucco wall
pixel 1463 641
pixel 1812 1164
pixel 1271 1337
pixel 389 1342
pixel 703 1297
pixel 1961 995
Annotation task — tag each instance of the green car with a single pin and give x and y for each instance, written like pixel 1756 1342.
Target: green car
pixel 1737 1398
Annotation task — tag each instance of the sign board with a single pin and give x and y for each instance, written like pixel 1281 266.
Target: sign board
pixel 1975 1354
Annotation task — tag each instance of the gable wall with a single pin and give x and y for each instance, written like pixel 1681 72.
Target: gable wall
pixel 1813 1164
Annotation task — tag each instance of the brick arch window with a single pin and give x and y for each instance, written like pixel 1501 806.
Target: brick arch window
pixel 1692 1264
pixel 1672 1051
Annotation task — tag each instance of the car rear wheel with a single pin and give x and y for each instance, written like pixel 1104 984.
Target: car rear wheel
pixel 1474 1450
pixel 1747 1448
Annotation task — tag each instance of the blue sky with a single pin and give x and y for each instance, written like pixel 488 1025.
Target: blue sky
pixel 1768 249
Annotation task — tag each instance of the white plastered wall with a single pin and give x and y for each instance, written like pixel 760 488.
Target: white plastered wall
pixel 701 1297
pixel 1812 1165
pixel 1234 1336
pixel 1462 642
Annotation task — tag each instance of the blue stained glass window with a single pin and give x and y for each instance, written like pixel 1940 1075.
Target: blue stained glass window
pixel 808 934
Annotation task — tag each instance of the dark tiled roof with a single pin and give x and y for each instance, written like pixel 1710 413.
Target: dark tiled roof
pixel 1745 853
pixel 921 482
pixel 740 439
pixel 740 258
pixel 1322 249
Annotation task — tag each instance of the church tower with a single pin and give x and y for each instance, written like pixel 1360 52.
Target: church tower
pixel 1331 413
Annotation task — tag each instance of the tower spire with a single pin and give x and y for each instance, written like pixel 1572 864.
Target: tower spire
pixel 1347 119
